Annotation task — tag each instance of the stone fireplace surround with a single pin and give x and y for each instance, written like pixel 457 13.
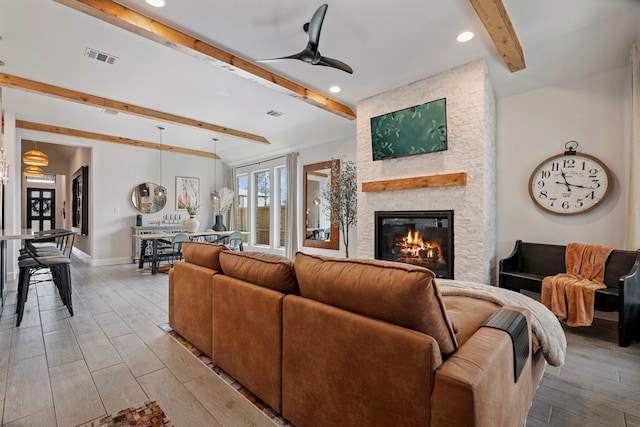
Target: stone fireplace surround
pixel 471 150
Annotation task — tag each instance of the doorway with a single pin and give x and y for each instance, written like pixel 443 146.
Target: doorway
pixel 41 209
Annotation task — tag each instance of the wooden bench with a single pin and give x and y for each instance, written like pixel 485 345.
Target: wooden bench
pixel 529 263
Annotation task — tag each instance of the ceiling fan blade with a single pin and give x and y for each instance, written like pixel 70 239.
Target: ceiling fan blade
pixel 310 53
pixel 294 56
pixel 315 25
pixel 330 62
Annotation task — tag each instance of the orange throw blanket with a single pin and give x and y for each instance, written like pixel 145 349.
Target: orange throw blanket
pixel 571 295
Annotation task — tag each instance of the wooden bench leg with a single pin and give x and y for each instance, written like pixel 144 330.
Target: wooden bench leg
pixel 629 310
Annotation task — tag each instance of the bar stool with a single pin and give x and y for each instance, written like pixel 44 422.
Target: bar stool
pixel 34 260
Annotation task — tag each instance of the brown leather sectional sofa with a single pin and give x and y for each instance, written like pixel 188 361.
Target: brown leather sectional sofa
pixel 350 342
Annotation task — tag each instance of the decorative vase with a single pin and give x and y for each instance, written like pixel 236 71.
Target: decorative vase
pixel 191 224
pixel 219 226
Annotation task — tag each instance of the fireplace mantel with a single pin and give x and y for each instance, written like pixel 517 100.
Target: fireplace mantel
pixel 441 180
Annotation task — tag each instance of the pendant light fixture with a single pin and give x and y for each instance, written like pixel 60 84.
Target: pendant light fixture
pixel 35 157
pixel 33 171
pixel 215 196
pixel 160 190
pixel 4 165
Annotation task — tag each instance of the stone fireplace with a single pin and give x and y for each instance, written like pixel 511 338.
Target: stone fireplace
pixel 423 238
pixel 471 153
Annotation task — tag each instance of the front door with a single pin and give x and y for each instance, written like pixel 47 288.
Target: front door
pixel 41 209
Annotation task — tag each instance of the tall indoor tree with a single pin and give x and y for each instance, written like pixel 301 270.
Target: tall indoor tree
pixel 342 195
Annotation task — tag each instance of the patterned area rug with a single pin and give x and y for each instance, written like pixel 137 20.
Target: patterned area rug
pixel 145 414
pixel 270 413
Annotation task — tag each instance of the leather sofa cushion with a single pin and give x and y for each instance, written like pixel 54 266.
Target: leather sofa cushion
pixel 266 270
pixel 203 254
pixel 398 293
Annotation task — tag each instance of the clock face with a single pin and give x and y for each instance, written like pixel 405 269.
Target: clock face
pixel 569 184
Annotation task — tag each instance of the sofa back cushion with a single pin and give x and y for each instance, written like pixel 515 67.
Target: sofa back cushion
pixel 266 270
pixel 402 294
pixel 203 254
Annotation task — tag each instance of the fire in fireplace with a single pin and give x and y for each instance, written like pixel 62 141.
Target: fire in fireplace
pixel 422 238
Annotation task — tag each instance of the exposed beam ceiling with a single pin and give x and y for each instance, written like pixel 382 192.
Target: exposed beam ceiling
pixel 111 138
pixel 8 80
pixel 495 19
pixel 118 15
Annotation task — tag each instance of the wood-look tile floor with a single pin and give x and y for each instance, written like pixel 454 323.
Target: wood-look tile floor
pixel 599 384
pixel 57 370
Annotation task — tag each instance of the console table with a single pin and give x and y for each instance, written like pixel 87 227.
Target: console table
pixel 151 229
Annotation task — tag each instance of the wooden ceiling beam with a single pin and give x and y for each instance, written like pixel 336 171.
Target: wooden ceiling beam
pixel 16 82
pixel 495 19
pixel 125 18
pixel 22 124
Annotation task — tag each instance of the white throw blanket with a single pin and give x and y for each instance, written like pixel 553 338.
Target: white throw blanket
pixel 543 322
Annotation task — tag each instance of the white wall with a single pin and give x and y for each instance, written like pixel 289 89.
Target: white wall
pixel 535 125
pixel 114 170
pixel 343 149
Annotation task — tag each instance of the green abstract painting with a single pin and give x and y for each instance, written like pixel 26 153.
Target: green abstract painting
pixel 414 130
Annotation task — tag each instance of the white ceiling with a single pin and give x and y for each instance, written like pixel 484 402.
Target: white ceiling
pixel 388 44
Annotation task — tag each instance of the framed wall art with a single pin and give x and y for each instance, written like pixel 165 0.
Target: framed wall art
pixel 80 200
pixel 187 192
pixel 414 130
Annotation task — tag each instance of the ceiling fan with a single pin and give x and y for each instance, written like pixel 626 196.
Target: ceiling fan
pixel 310 54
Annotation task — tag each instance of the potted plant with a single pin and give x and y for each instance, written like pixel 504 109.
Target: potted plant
pixel 221 202
pixel 192 224
pixel 193 210
pixel 342 195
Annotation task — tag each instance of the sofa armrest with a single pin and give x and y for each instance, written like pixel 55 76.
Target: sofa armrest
pixel 190 302
pixel 475 386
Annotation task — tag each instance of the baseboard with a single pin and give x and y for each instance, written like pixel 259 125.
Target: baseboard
pixel 110 261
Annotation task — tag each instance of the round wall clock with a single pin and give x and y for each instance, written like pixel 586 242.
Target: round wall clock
pixel 570 183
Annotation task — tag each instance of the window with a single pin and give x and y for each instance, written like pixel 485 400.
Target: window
pixel 262 195
pixel 243 205
pixel 47 178
pixel 282 193
pixel 262 200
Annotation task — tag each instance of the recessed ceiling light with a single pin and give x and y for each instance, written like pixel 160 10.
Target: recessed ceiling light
pixel 157 3
pixel 464 37
pixel 335 89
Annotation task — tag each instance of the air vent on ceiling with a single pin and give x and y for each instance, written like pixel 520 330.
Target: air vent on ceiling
pixel 274 113
pixel 100 56
pixel 112 112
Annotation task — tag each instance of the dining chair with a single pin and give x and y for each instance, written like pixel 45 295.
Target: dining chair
pixel 172 252
pixel 235 241
pixel 213 238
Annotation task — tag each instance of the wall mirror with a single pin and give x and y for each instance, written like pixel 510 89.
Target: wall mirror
pixel 144 199
pixel 317 229
pixel 80 200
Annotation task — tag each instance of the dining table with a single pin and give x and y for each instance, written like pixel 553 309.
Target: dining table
pixel 156 238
